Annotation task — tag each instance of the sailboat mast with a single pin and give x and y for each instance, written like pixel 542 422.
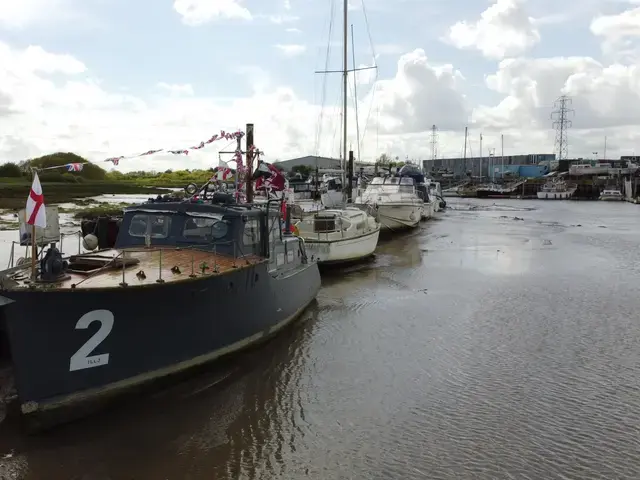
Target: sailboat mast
pixel 345 78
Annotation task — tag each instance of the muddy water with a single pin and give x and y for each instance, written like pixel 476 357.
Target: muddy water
pixel 500 341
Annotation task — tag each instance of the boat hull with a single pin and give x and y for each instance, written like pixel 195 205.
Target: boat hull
pixel 611 199
pixel 343 251
pixel 555 195
pixel 394 217
pixel 81 345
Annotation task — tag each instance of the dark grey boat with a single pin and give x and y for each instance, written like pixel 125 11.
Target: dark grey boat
pixel 185 284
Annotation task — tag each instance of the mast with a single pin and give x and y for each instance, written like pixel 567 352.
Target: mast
pixel 502 154
pixel 480 169
pixel 465 151
pixel 355 93
pixel 345 77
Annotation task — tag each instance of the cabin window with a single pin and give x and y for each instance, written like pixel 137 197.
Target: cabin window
pixel 324 224
pixel 251 235
pixel 204 229
pixel 156 226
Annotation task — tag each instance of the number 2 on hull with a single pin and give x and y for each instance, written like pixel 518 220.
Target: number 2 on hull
pixel 81 359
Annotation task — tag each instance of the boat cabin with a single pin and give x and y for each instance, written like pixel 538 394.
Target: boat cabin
pixel 411 171
pixel 393 185
pixel 611 193
pixel 326 222
pixel 235 230
pixel 168 242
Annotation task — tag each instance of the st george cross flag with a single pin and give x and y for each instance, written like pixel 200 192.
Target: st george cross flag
pixel 35 212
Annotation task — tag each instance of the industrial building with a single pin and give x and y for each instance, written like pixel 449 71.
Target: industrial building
pixel 485 166
pixel 309 161
pixel 322 163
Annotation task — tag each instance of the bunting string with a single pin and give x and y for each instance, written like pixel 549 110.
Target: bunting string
pixel 184 151
pixel 71 167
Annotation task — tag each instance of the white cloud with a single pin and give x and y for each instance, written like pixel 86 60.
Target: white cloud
pixel 606 100
pixel 23 14
pixel 504 29
pixel 619 33
pixel 291 49
pixel 52 101
pixel 286 4
pixel 176 89
pixel 293 30
pixel 199 12
pixel 282 19
pixel 41 113
pixel 420 95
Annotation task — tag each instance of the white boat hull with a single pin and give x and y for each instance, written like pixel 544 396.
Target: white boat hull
pixel 611 198
pixel 555 195
pixel 430 208
pixel 343 251
pixel 399 216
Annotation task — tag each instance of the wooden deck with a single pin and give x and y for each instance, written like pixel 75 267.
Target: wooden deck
pixel 142 267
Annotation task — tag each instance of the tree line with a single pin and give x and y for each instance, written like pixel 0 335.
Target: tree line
pixel 91 172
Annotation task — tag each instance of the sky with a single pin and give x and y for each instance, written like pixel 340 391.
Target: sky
pixel 106 78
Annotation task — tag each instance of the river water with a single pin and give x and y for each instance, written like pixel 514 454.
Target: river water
pixel 499 341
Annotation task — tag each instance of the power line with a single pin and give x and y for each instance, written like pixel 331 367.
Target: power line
pixel 561 124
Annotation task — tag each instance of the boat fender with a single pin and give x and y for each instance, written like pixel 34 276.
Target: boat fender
pixel 90 242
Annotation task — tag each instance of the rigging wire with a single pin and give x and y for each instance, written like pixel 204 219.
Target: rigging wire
pixel 324 82
pixel 375 78
pixel 338 127
pixel 355 92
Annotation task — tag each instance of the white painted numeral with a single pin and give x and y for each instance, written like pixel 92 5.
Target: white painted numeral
pixel 81 359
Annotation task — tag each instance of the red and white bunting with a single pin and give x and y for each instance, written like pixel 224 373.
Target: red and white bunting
pixel 183 151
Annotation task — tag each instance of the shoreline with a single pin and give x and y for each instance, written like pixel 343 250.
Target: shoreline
pixel 14 195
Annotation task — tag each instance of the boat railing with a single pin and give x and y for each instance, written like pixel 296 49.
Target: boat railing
pixel 391 196
pixel 121 258
pixel 12 260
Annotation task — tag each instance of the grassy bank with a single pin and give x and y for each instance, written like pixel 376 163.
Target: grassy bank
pixel 13 195
pixel 98 210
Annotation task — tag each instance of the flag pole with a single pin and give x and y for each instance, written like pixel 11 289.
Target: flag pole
pixel 34 252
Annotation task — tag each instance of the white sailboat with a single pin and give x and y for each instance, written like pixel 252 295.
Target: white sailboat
pixel 340 235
